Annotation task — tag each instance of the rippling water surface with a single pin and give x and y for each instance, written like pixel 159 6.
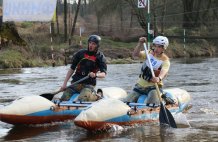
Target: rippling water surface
pixel 196 75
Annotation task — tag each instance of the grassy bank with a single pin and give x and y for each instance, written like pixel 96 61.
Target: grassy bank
pixel 38 52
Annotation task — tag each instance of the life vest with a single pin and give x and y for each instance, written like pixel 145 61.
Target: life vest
pixel 87 63
pixel 146 71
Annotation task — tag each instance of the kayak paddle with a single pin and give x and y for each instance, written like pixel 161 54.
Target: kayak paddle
pixel 50 96
pixel 165 116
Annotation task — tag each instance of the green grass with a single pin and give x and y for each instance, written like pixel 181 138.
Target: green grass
pixel 106 42
pixel 11 59
pixel 39 53
pixel 115 44
pixel 26 24
pixel 15 59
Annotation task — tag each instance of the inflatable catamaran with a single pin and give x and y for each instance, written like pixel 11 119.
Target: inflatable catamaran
pixel 39 110
pixel 99 115
pixel 108 112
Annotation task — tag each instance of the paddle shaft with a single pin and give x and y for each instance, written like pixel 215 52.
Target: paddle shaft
pixel 50 96
pixel 152 72
pixel 74 83
pixel 162 109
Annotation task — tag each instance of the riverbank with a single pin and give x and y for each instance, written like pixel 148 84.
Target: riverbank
pixel 38 54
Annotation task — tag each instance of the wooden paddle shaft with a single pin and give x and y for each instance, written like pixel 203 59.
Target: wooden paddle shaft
pixel 74 83
pixel 152 71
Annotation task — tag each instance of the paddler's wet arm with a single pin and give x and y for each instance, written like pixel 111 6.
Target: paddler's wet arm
pixel 160 77
pixel 102 67
pixel 137 51
pixel 165 69
pixel 162 74
pixel 100 74
pixel 69 74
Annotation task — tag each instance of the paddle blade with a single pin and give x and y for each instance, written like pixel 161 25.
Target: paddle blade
pixel 48 96
pixel 165 117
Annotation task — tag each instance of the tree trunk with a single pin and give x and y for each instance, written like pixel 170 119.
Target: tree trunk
pixel 57 20
pixel 154 25
pixel 75 18
pixel 188 6
pixel 85 7
pixel 121 18
pixel 163 16
pixel 98 24
pixel 140 14
pixel 131 21
pixel 52 28
pixel 65 20
pixel 69 21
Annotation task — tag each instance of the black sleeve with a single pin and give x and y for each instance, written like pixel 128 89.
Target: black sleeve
pixel 76 58
pixel 101 60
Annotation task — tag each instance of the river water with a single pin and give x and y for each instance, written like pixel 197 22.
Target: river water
pixel 196 75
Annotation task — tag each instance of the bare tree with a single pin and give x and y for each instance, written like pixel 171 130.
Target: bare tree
pixel 57 18
pixel 65 20
pixel 196 12
pixel 75 18
pixel 140 14
pixel 163 16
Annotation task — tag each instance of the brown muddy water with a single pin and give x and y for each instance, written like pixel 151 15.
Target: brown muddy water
pixel 196 75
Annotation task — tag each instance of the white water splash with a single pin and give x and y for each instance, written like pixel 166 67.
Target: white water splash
pixel 115 128
pixel 209 111
pixel 4 129
pixel 181 120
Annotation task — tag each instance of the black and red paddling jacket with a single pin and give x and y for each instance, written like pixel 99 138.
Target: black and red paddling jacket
pixel 85 62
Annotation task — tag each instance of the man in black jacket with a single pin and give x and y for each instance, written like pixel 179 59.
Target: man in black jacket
pixel 86 62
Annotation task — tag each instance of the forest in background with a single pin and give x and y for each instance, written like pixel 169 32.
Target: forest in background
pixel 123 19
pixel 117 21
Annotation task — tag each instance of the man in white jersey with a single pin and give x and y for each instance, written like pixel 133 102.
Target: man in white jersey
pixel 161 64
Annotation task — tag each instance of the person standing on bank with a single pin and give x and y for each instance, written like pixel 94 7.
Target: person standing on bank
pixel 161 65
pixel 86 62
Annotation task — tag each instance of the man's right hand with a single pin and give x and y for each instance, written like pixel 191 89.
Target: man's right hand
pixel 63 88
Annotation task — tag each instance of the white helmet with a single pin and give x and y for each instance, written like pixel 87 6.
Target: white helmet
pixel 161 40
